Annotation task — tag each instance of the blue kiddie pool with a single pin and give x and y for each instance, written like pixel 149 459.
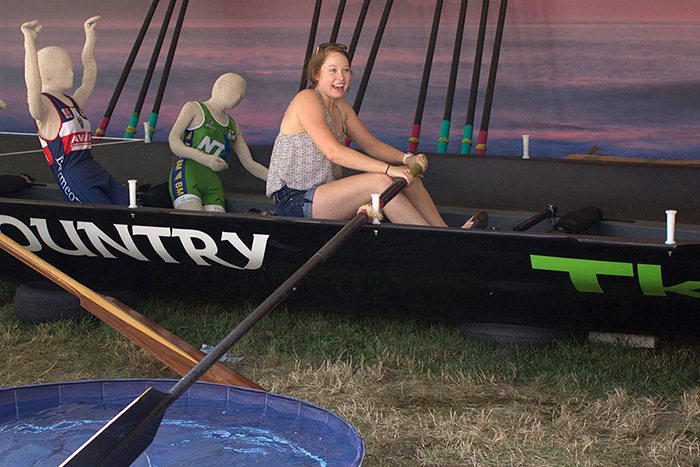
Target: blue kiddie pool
pixel 209 425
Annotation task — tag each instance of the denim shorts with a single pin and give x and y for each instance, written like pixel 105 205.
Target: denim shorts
pixel 294 203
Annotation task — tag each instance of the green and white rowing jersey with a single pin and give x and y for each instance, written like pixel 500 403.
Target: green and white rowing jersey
pixel 211 136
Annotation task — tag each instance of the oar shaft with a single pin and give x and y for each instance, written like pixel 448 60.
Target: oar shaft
pixel 126 70
pixel 131 129
pixel 358 29
pixel 444 140
pixel 422 93
pixel 370 60
pixel 166 68
pixel 491 86
pixel 372 56
pixel 285 289
pixel 310 43
pixel 474 86
pixel 338 19
pixel 128 434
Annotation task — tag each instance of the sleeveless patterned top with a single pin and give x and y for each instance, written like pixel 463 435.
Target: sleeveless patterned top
pixel 297 162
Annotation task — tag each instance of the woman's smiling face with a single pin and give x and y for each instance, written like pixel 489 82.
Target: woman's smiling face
pixel 334 77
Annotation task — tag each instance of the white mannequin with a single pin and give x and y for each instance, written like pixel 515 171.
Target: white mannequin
pixel 228 91
pixel 51 71
pixel 48 75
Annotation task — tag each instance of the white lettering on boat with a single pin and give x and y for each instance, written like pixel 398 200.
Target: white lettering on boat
pixel 199 246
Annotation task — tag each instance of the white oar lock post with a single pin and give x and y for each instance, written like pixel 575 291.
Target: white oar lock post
pixel 670 226
pixel 132 193
pixel 376 206
pixel 526 146
pixel 147 132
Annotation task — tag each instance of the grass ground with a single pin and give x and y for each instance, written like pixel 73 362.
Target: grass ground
pixel 418 393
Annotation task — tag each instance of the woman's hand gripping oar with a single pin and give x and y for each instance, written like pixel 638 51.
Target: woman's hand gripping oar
pixel 128 434
pixel 165 346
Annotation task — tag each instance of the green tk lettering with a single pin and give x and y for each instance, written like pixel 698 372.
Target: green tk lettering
pixel 652 283
pixel 583 272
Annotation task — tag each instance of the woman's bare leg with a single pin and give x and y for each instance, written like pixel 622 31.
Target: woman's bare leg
pixel 424 203
pixel 341 198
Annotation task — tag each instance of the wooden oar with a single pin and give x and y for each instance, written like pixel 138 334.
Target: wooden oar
pixel 165 346
pixel 153 119
pixel 310 43
pixel 370 60
pixel 490 87
pixel 420 105
pixel 133 122
pixel 474 87
pixel 128 434
pixel 126 70
pixel 444 139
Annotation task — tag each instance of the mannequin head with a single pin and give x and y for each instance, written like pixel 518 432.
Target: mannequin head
pixel 229 90
pixel 55 69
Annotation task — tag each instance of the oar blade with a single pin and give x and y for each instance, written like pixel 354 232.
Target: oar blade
pixel 99 450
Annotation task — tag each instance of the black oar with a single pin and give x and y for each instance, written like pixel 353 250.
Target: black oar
pixel 358 29
pixel 474 87
pixel 310 43
pixel 444 139
pixel 166 69
pixel 420 105
pixel 131 129
pixel 126 70
pixel 128 434
pixel 338 20
pixel 490 87
pixel 370 60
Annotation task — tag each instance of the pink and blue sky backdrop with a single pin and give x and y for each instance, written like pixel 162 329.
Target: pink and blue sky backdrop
pixel 623 75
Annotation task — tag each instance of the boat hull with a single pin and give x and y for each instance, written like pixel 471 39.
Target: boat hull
pixel 573 282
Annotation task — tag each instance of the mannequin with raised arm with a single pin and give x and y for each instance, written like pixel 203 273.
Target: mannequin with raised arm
pixel 63 128
pixel 202 138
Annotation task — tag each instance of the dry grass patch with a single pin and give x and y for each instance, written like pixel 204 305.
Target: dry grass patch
pixel 419 395
pixel 406 419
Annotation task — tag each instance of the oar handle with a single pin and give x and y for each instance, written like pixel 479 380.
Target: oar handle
pixel 399 184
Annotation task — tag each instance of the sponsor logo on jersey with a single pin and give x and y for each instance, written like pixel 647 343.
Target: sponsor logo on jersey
pixel 79 141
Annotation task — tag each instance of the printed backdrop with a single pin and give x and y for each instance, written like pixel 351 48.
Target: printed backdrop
pixel 622 75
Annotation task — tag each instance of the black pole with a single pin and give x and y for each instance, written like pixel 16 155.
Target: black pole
pixel 452 84
pixel 420 105
pixel 358 29
pixel 338 20
pixel 130 432
pixel 126 70
pixel 166 68
pixel 310 43
pixel 131 129
pixel 491 86
pixel 372 56
pixel 476 71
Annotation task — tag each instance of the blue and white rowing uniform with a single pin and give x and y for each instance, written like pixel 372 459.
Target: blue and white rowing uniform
pixel 80 178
